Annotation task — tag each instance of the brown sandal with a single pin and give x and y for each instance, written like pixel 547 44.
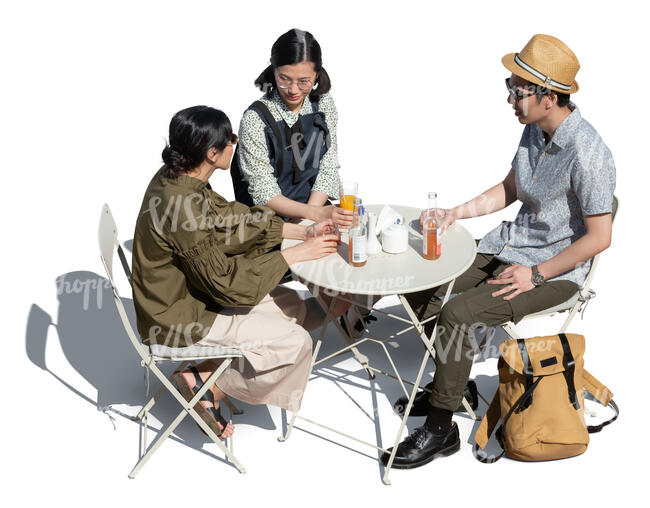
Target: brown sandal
pixel 210 415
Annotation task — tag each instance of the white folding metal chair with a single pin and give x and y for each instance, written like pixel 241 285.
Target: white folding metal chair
pixel 577 303
pixel 154 354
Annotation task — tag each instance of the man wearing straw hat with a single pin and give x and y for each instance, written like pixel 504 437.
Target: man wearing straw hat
pixel 564 175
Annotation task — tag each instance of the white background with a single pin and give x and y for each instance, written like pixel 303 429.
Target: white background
pixel 88 90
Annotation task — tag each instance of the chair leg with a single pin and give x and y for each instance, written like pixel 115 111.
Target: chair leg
pixel 147 407
pixel 510 331
pixel 469 409
pixel 143 433
pixel 188 407
pixel 160 438
pixel 570 317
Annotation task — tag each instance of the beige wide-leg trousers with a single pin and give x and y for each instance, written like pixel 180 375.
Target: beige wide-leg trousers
pixel 274 338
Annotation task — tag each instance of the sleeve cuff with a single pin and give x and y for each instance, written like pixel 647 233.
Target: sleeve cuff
pixel 274 231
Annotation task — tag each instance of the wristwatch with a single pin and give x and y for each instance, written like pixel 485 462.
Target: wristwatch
pixel 537 278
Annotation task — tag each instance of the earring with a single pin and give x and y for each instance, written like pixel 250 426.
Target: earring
pixel 315 86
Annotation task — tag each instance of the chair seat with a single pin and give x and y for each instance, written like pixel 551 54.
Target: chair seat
pixel 564 306
pixel 194 352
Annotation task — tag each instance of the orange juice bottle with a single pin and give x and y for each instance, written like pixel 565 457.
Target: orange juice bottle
pixel 431 246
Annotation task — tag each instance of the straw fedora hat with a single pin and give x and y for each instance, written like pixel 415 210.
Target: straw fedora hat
pixel 545 61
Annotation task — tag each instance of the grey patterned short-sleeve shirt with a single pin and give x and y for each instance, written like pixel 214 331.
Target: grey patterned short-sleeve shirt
pixel 558 182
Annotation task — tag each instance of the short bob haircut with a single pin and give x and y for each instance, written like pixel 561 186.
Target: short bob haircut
pixel 192 132
pixel 291 48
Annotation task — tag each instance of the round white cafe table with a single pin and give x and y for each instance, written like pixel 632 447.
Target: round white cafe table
pixel 385 274
pixel 389 274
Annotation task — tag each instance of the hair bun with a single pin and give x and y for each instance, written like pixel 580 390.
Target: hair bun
pixel 175 161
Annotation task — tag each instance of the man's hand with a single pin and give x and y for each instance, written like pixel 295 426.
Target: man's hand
pixel 446 218
pixel 516 279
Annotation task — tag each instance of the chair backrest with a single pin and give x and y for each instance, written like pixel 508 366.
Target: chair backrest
pixel 107 240
pixel 108 244
pixel 594 261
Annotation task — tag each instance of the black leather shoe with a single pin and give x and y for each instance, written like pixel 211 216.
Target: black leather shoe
pixel 421 402
pixel 422 446
pixel 359 318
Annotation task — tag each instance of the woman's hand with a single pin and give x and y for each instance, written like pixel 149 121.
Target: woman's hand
pixel 446 218
pixel 516 278
pixel 341 216
pixel 319 246
pixel 326 227
pixel 314 247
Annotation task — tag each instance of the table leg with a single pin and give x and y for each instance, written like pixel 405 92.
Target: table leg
pixel 416 385
pixel 428 343
pixel 328 318
pixel 361 358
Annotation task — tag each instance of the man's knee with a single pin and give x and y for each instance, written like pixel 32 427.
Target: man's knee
pixel 455 312
pixel 459 321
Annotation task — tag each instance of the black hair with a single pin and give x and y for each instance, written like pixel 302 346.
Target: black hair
pixel 563 99
pixel 291 48
pixel 192 132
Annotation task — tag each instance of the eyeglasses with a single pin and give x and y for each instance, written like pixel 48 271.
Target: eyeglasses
pixel 304 84
pixel 518 95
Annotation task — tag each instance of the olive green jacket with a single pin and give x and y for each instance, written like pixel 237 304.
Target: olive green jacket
pixel 193 253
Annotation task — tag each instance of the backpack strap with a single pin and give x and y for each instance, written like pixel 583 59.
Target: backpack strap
pixel 596 388
pixel 528 373
pixel 569 370
pixel 602 395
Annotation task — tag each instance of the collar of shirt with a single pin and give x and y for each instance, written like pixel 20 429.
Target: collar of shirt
pixel 565 131
pixel 189 182
pixel 287 115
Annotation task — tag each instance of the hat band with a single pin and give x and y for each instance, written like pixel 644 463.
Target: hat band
pixel 546 79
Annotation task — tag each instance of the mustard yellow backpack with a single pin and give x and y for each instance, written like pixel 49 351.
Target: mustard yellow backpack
pixel 540 400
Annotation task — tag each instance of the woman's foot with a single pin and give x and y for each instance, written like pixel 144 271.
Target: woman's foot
pixel 189 382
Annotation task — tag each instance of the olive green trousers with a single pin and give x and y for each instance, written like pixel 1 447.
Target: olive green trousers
pixel 471 312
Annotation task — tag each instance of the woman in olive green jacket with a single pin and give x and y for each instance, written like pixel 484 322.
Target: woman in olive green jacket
pixel 205 272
